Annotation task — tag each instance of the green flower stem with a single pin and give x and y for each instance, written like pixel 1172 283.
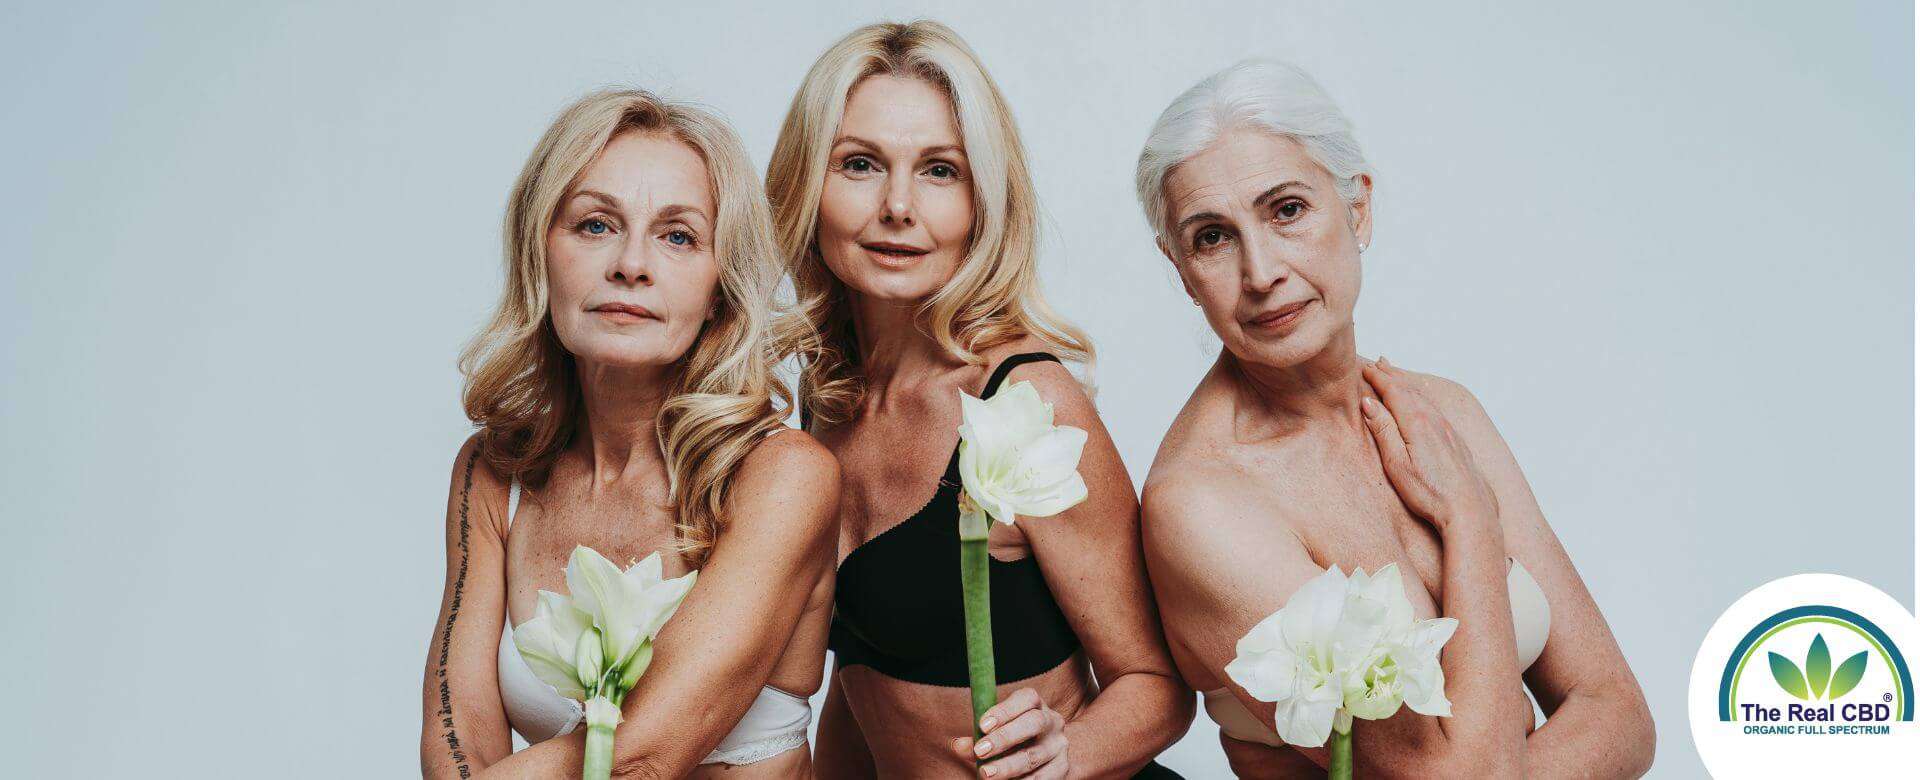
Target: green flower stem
pixel 598 764
pixel 973 586
pixel 597 760
pixel 1340 764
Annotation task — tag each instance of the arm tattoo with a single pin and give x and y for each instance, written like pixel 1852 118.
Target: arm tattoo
pixel 446 632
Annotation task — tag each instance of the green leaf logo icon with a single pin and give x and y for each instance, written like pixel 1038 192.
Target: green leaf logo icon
pixel 1788 675
pixel 1820 678
pixel 1848 675
pixel 1819 666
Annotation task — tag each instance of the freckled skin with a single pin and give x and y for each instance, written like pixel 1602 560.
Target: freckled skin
pixel 636 227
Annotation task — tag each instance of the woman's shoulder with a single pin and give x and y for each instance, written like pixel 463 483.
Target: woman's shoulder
pixel 1460 407
pixel 476 488
pixel 1055 382
pixel 791 464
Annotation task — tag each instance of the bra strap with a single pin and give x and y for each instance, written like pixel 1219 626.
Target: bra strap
pixel 1008 365
pixel 513 500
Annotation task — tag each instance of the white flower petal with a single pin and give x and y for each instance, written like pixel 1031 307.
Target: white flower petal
pixel 549 655
pixel 1307 720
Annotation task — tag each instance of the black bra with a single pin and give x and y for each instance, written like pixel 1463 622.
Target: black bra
pixel 897 606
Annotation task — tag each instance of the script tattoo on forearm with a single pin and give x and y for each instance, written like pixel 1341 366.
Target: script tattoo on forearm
pixel 446 632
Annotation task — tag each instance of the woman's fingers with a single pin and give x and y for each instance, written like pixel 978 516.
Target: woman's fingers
pixel 1052 767
pixel 1020 701
pixel 1414 413
pixel 1025 744
pixel 1016 732
pixel 1386 434
pixel 1392 387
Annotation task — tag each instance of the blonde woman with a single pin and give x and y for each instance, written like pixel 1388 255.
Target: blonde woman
pixel 1295 454
pixel 626 401
pixel 903 206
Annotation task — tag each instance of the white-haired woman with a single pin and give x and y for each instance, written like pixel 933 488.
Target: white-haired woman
pixel 903 206
pixel 626 401
pixel 1295 454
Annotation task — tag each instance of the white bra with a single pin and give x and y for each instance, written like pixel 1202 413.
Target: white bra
pixel 776 723
pixel 1531 619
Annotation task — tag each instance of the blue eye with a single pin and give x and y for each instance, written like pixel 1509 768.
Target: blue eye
pixel 942 171
pixel 859 165
pixel 680 238
pixel 595 226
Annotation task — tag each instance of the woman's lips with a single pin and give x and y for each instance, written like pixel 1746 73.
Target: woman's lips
pixel 1280 318
pixel 893 255
pixel 623 312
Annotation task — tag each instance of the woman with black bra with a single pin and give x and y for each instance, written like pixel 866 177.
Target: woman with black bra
pixel 903 206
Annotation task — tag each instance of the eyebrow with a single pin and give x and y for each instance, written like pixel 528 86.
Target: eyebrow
pixel 1200 217
pixel 954 148
pixel 608 200
pixel 1271 193
pixel 1275 190
pixel 675 210
pixel 666 212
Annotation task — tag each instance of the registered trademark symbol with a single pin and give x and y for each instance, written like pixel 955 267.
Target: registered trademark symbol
pixel 1886 697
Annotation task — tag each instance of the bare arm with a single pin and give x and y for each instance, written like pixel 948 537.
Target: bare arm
pixel 463 726
pixel 1598 724
pixel 1434 474
pixel 1092 561
pixel 1218 566
pixel 714 655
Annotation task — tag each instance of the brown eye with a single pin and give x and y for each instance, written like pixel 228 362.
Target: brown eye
pixel 1291 209
pixel 1209 238
pixel 858 164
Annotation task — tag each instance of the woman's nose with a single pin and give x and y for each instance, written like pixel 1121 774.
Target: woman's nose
pixel 1264 266
pixel 896 206
pixel 631 265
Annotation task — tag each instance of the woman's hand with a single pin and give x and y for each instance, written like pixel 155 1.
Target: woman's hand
pixel 1427 462
pixel 1024 738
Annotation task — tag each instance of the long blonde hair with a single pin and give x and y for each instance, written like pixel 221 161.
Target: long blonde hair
pixel 994 295
pixel 522 388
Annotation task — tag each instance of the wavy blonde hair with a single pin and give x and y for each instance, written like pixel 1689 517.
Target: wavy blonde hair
pixel 522 388
pixel 994 295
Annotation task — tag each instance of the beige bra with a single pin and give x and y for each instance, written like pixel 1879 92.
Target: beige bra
pixel 1531 619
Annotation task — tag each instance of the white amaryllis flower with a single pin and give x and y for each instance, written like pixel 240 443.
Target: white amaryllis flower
pixel 550 643
pixel 594 644
pixel 609 622
pixel 1013 460
pixel 628 607
pixel 1343 648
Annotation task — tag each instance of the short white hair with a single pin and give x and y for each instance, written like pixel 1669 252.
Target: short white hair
pixel 1276 97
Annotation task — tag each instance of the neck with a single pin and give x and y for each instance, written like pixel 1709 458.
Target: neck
pixel 891 343
pixel 1325 387
pixel 619 415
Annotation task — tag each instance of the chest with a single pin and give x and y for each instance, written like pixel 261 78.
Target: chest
pixel 623 525
pixel 891 463
pixel 1339 502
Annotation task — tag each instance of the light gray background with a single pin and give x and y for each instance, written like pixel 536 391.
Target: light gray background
pixel 1669 245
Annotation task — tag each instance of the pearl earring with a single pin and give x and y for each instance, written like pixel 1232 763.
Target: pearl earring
pixel 1363 247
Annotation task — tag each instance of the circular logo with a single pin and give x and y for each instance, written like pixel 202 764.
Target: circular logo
pixel 1806 674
